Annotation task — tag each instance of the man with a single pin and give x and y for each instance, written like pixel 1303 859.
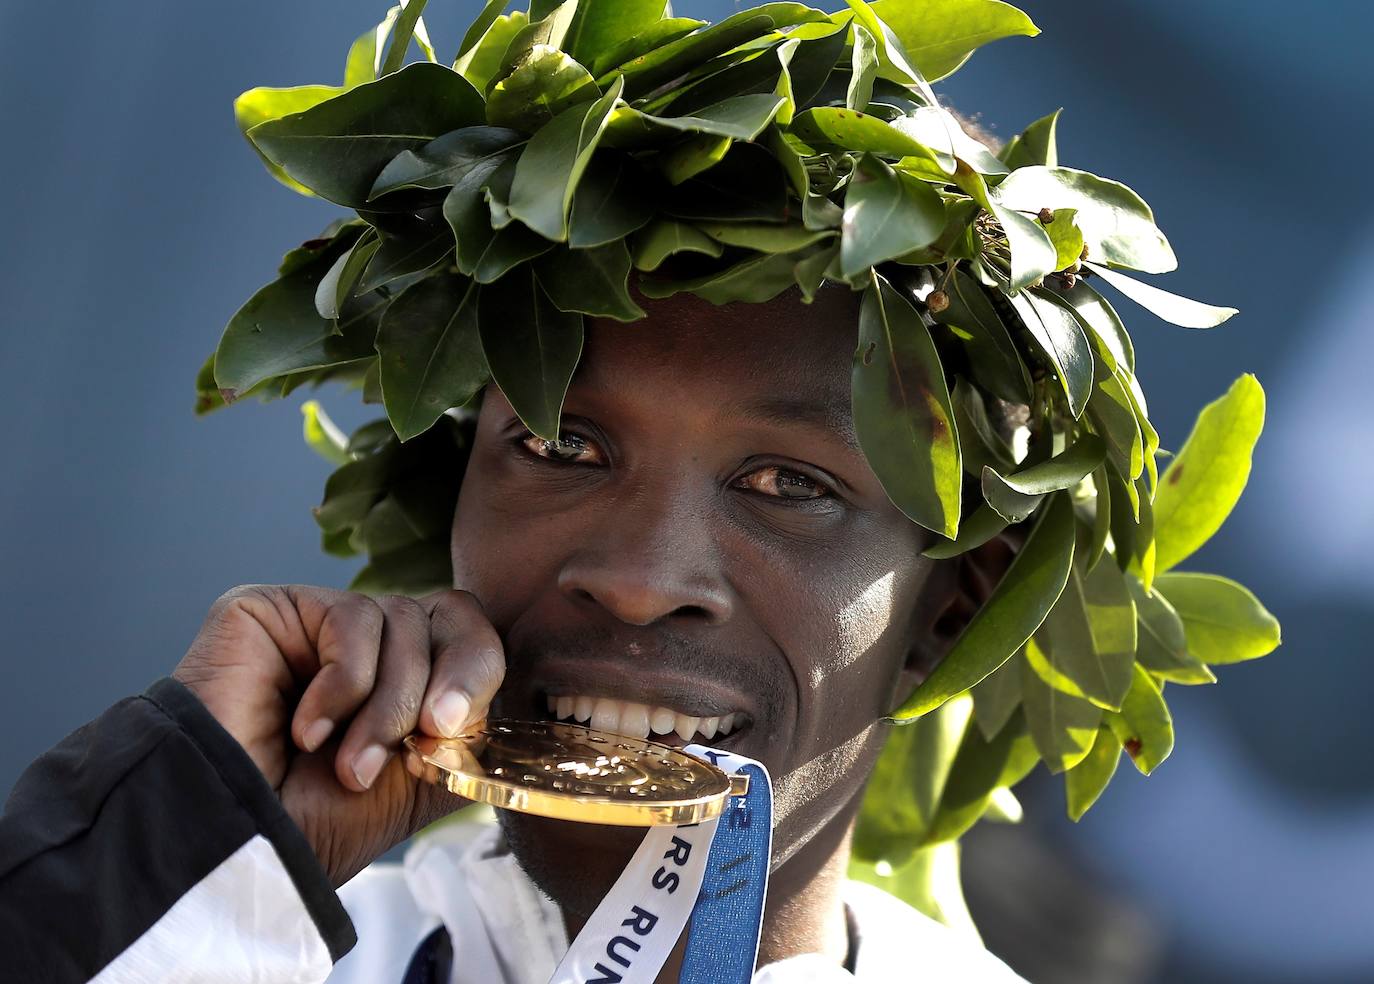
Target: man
pixel 711 495
pixel 706 538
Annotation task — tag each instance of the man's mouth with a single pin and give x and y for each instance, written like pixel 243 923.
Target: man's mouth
pixel 635 720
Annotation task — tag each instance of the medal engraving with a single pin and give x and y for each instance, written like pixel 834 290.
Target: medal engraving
pixel 571 772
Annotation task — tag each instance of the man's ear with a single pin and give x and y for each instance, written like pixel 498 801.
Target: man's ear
pixel 956 590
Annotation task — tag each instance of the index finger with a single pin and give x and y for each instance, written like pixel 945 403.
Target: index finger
pixel 469 663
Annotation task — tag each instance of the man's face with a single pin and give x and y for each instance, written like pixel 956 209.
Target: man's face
pixel 708 540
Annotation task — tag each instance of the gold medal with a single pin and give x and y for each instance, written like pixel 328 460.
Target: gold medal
pixel 569 772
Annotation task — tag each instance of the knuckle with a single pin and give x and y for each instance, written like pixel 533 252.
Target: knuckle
pixel 241 594
pixel 403 608
pixel 459 604
pixel 353 681
pixel 365 610
pixel 486 671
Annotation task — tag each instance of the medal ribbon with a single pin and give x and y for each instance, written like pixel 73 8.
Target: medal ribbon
pixel 629 936
pixel 723 941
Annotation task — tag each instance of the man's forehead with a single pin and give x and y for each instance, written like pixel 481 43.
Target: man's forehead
pixel 760 365
pixel 823 413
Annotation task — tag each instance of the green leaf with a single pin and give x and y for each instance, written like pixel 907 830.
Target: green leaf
pixel 1163 647
pixel 1222 620
pixel 553 162
pixel 1032 253
pixel 430 352
pixel 664 237
pixel 656 35
pixel 992 356
pixel 484 253
pixel 978 771
pixel 1204 481
pixel 322 435
pixel 1144 727
pixel 544 83
pixel 338 147
pixel 812 63
pixel 1102 517
pixel 548 26
pixel 739 117
pixel 446 161
pixel 351 491
pixel 750 70
pixel 408 26
pixel 1066 236
pixel 863 70
pixel 974 531
pixel 591 281
pixel 1089 638
pixel 886 214
pixel 979 445
pixel 262 104
pixel 809 272
pixel 790 161
pixel 939 35
pixel 691 156
pixel 490 13
pixel 902 411
pixel 615 197
pixel 835 129
pixel 1036 145
pixel 336 286
pixel 480 62
pixel 754 280
pixel 996 698
pixel 1015 609
pixel 532 348
pixel 906 784
pixel 365 55
pixel 1017 495
pixel 404 256
pixel 414 571
pixel 1063 726
pixel 1109 409
pixel 1099 319
pixel 666 62
pixel 1181 311
pixel 1086 781
pixel 279 331
pixel 749 185
pixel 1060 338
pixel 764 237
pixel 938 128
pixel 1118 227
pixel 602 24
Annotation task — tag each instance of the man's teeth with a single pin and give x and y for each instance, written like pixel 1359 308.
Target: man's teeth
pixel 624 717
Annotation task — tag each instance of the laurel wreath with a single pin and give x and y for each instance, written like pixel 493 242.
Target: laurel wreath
pixel 502 199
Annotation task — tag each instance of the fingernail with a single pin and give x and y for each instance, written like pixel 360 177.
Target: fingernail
pixel 315 734
pixel 451 713
pixel 368 764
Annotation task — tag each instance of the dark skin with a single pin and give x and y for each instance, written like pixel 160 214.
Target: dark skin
pixel 707 537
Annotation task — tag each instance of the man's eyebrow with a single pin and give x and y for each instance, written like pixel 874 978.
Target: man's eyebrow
pixel 830 419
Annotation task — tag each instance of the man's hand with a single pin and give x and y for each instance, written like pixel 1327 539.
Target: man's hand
pixel 319 686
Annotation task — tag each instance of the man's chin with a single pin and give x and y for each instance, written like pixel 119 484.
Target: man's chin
pixel 575 864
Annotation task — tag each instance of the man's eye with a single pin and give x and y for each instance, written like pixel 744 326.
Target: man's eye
pixel 784 483
pixel 569 448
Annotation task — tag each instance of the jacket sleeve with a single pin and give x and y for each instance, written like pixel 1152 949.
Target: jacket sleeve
pixel 147 846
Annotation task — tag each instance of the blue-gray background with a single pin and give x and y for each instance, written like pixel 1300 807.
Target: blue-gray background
pixel 137 220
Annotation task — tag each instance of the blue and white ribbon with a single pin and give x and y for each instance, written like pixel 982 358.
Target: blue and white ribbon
pixel 715 873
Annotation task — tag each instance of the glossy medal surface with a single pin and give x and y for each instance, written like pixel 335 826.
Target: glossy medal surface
pixel 570 772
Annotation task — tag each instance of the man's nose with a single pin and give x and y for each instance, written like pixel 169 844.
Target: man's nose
pixel 650 558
